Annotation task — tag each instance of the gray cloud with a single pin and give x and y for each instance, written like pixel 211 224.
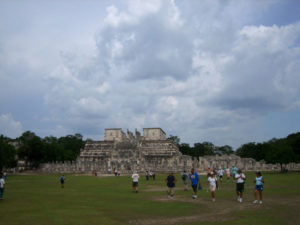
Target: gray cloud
pixel 199 70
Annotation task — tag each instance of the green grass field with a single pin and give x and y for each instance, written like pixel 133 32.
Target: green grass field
pixel 88 200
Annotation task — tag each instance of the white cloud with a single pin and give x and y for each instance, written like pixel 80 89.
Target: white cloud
pixel 197 69
pixel 9 127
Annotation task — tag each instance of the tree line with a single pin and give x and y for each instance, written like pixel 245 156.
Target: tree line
pixel 282 151
pixel 35 150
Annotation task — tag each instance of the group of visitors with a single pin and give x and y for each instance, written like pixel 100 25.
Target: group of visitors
pixel 150 175
pixel 116 172
pixel 212 183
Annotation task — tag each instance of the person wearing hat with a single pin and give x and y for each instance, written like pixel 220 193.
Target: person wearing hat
pixel 240 181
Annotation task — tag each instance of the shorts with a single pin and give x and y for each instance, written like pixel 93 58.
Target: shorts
pixel 220 176
pixel 135 184
pixel 195 187
pixel 170 191
pixel 240 187
pixel 212 188
pixel 259 187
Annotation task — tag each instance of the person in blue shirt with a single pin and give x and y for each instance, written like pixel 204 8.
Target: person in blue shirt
pixel 233 171
pixel 62 181
pixel 259 181
pixel 194 177
pixel 171 180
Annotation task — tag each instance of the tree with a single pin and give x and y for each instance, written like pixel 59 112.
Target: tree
pixel 185 149
pixel 174 139
pixel 280 154
pixel 7 154
pixel 226 149
pixel 71 146
pixel 32 148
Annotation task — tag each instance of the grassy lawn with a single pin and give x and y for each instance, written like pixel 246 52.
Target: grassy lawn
pixel 39 200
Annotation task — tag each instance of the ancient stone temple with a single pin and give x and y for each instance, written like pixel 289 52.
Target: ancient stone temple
pixel 128 152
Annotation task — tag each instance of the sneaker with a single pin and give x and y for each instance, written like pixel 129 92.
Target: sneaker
pixel 260 202
pixel 255 202
pixel 241 200
pixel 194 196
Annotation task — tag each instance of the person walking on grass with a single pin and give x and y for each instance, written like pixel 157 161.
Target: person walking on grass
pixel 227 171
pixel 194 177
pixel 213 183
pixel 62 181
pixel 170 180
pixel 259 182
pixel 2 184
pixel 185 177
pixel 240 181
pixel 233 172
pixel 135 181
pixel 220 174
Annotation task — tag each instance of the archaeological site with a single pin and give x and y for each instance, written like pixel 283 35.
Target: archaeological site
pixel 150 151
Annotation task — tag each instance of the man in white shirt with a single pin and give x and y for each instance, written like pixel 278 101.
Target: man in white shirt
pixel 135 181
pixel 240 180
pixel 2 183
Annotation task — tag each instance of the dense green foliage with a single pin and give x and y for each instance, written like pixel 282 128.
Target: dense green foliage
pixel 282 151
pixel 35 150
pixel 7 154
pixel 200 149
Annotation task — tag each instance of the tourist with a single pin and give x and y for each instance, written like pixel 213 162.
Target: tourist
pixel 194 177
pixel 170 180
pixel 2 183
pixel 150 174
pixel 259 181
pixel 240 181
pixel 208 171
pixel 185 178
pixel 147 175
pixel 4 175
pixel 220 174
pixel 227 173
pixel 135 181
pixel 115 172
pixel 153 175
pixel 62 181
pixel 118 173
pixel 233 171
pixel 213 183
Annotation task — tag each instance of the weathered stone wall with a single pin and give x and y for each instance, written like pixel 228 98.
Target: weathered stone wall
pixel 247 164
pixel 154 134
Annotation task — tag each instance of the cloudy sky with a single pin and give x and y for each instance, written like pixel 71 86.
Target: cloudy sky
pixel 227 72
